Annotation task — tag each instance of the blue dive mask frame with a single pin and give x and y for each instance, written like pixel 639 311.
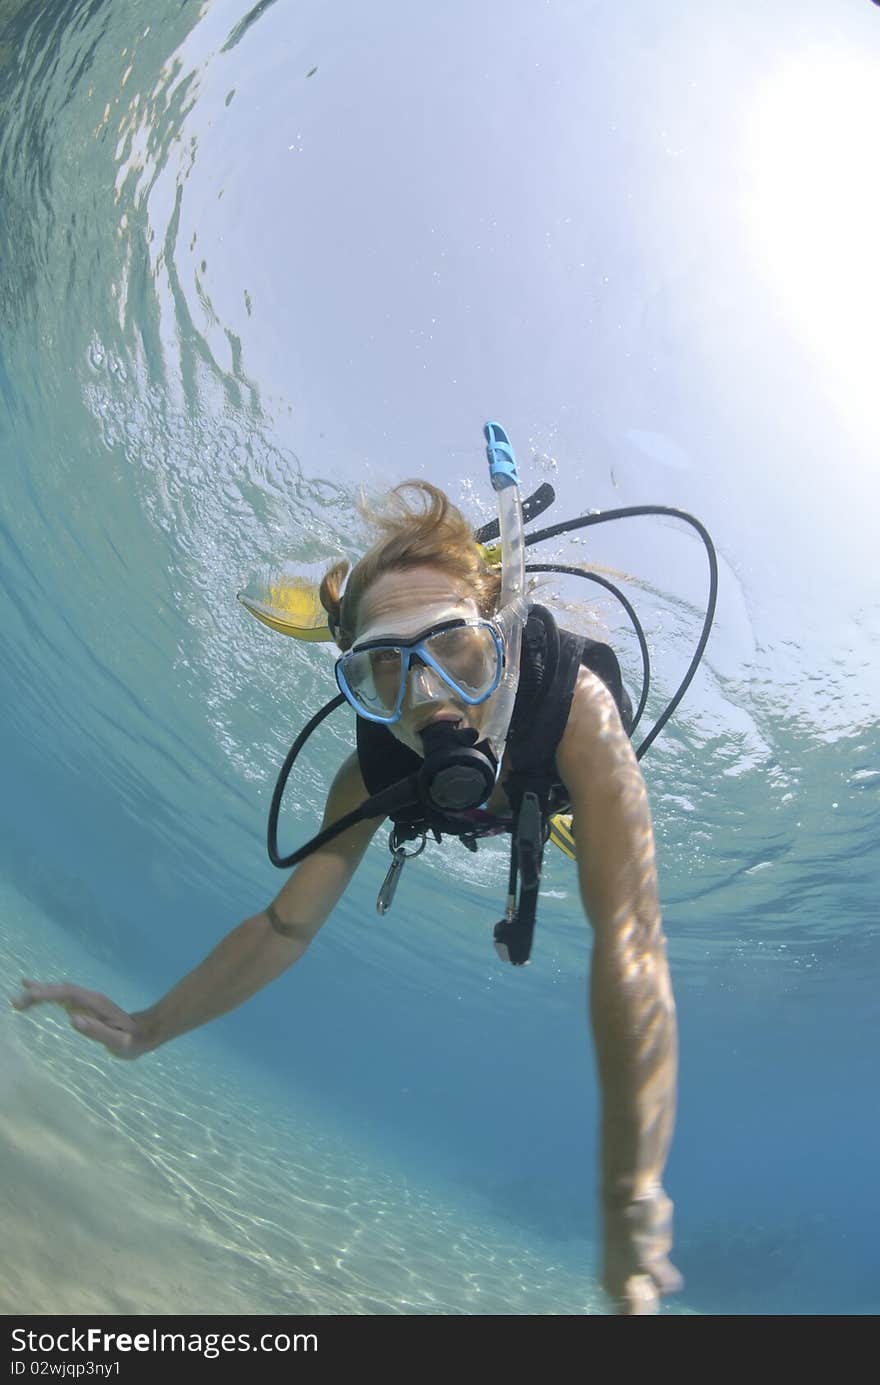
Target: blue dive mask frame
pixel 416 650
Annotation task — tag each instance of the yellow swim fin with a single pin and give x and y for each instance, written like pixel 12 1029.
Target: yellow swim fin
pixel 562 833
pixel 289 604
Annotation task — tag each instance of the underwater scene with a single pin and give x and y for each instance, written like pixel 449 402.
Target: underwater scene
pixel 256 264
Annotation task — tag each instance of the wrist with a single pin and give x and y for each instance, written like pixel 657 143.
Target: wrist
pixel 645 1221
pixel 148 1028
pixel 619 1193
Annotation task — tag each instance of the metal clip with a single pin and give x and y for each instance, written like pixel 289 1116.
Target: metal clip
pixel 385 897
pixel 399 857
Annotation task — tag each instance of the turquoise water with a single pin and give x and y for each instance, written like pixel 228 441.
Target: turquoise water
pixel 250 261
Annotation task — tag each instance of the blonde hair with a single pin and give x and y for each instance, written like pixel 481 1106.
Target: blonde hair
pixel 419 526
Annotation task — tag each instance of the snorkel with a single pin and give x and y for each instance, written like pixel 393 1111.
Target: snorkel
pixel 512 609
pixel 461 765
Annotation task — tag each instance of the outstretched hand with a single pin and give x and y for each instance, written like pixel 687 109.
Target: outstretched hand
pixel 92 1015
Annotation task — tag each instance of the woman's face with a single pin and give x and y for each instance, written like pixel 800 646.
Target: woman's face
pixel 405 604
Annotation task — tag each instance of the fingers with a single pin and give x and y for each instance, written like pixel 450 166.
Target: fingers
pixel 35 993
pixel 117 1041
pixel 31 995
pixel 640 1297
pixel 640 1294
pixel 91 1014
pixel 667 1277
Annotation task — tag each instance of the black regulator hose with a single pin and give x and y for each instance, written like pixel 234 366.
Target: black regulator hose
pixel 615 591
pixel 380 805
pixel 631 512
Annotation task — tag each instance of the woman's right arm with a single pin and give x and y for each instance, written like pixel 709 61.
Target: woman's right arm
pixel 247 959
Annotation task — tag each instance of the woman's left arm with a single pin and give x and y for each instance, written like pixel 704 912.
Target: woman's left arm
pixel 631 1001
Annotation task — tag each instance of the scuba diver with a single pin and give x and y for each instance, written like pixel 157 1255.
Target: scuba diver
pixel 476 715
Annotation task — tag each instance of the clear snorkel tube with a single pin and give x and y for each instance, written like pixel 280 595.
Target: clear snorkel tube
pixel 512 607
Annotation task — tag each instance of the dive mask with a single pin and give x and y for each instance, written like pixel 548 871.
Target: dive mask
pixel 466 655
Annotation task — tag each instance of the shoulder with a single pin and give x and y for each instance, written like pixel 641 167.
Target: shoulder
pixel 595 752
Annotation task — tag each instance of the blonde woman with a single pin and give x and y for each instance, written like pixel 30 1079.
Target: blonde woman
pixel 423 653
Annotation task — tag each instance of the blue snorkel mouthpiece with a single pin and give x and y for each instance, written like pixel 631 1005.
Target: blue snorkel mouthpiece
pixel 502 463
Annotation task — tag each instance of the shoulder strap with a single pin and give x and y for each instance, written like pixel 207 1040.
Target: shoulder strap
pixel 552 658
pixel 548 676
pixel 538 726
pixel 602 660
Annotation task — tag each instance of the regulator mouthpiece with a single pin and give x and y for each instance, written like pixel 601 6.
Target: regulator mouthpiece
pixel 455 775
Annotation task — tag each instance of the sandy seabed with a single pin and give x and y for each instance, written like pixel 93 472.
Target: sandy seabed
pixel 88 1222
pixel 125 1212
pixel 181 1185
